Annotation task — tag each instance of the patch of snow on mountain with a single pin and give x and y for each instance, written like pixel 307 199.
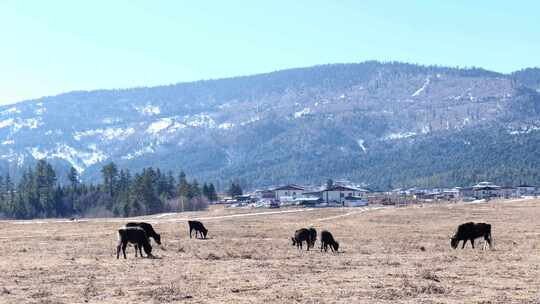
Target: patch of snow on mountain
pixel 424 86
pixel 80 160
pixel 148 110
pixel 8 142
pixel 10 111
pixel 111 120
pixel 251 120
pixel 37 154
pixel 176 126
pixel 159 125
pixel 226 125
pixel 140 152
pixel 199 120
pixel 40 110
pixel 20 160
pixel 106 134
pixel 10 155
pixel 6 123
pixel 523 130
pixel 361 145
pixel 302 113
pixel 31 123
pixel 393 136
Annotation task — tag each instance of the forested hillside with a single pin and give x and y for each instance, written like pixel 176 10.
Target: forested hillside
pixel 382 124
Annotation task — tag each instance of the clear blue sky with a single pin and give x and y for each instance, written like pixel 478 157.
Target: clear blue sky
pixel 49 47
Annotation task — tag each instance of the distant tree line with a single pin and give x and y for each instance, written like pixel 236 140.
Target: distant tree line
pixel 38 194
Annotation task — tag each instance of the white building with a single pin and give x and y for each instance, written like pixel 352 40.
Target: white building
pixel 288 192
pixel 527 190
pixel 339 193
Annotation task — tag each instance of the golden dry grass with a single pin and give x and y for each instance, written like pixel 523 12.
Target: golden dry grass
pixel 395 255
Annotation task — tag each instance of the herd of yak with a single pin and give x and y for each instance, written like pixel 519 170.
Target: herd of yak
pixel 139 234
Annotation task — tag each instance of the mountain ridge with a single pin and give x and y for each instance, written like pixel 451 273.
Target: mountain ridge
pixel 296 125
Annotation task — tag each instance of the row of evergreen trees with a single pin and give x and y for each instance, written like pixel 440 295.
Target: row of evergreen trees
pixel 38 193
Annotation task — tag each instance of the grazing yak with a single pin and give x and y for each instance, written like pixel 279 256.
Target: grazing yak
pixel 328 239
pixel 469 232
pixel 198 227
pixel 136 236
pixel 150 232
pixel 304 235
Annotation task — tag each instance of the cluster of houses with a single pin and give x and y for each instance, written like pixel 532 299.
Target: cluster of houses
pixel 346 194
pixel 482 190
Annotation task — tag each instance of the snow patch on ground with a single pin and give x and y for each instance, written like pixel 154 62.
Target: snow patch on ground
pixel 361 145
pixel 424 86
pixel 393 136
pixel 148 110
pixel 302 113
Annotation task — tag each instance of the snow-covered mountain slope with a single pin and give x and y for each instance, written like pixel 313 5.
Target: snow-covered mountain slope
pixel 293 125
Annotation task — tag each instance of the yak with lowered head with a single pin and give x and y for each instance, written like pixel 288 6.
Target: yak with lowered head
pixel 198 227
pixel 469 232
pixel 150 232
pixel 328 239
pixel 136 236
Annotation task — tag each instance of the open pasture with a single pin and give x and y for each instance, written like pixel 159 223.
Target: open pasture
pixel 391 255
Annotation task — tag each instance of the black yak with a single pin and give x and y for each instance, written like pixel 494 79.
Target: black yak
pixel 469 232
pixel 328 239
pixel 300 236
pixel 198 227
pixel 150 232
pixel 136 236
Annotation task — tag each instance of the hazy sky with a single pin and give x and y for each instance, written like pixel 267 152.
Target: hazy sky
pixel 49 47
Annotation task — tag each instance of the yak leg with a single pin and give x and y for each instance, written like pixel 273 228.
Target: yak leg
pixel 140 250
pixel 488 240
pixel 190 230
pixel 124 245
pixel 472 243
pixel 118 250
pixel 464 243
pixel 322 243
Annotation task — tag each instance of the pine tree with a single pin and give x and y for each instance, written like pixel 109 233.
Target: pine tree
pixel 109 173
pixel 205 191
pixel 212 195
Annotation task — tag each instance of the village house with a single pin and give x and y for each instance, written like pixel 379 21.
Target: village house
pixel 526 190
pixel 339 193
pixel 509 192
pixel 288 192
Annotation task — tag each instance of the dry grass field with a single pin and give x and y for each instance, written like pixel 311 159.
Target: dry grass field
pixel 393 255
